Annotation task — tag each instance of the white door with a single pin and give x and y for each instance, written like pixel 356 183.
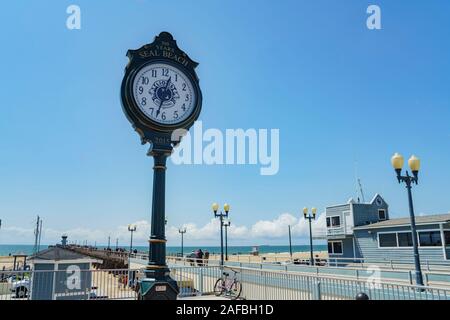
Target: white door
pixel 348 222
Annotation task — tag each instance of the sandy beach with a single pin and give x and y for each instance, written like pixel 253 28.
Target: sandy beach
pixel 6 262
pixel 271 257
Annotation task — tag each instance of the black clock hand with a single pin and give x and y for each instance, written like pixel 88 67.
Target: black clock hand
pixel 167 83
pixel 159 109
pixel 162 100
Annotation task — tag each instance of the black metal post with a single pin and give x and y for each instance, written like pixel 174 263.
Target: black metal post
pixel 409 180
pixel 221 215
pixel 131 241
pixel 310 241
pixel 290 242
pixel 182 244
pixel 182 232
pixel 226 242
pixel 157 268
pixel 221 239
pixel 419 279
pixel 157 283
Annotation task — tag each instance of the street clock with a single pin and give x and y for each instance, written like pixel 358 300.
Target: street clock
pixel 160 90
pixel 160 93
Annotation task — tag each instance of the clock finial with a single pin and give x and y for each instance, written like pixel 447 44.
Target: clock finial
pixel 166 35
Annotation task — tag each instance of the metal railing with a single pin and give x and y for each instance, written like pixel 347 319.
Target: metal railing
pixel 276 285
pixel 284 285
pixel 71 284
pixel 357 271
pixel 326 261
pixel 256 284
pixel 393 264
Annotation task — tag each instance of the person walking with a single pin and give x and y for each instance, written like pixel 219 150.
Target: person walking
pixel 200 257
pixel 206 257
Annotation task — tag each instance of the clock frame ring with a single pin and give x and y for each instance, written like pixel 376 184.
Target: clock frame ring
pixel 135 114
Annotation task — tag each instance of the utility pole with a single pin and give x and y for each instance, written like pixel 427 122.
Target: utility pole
pixel 109 242
pixel 40 235
pixel 117 243
pixel 36 236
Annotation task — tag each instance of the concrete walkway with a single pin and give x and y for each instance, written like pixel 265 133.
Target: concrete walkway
pixel 206 297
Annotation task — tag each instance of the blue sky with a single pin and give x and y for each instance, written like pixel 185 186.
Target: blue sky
pixel 340 94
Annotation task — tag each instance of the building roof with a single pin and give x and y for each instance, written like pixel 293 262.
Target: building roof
pixel 420 220
pixel 58 253
pixel 353 201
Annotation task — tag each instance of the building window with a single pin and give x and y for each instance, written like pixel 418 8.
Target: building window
pixel 405 239
pixel 430 239
pixel 335 247
pixel 447 238
pixel 335 221
pixel 330 247
pixel 387 240
pixel 328 222
pixel 381 214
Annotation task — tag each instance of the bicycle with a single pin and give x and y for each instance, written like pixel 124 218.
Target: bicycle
pixel 228 286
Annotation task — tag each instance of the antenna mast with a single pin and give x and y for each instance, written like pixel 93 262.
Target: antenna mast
pixel 40 235
pixel 359 188
pixel 36 236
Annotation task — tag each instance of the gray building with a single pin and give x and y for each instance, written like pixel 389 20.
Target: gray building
pixel 365 231
pixel 60 274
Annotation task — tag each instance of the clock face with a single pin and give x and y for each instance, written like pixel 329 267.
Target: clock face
pixel 164 93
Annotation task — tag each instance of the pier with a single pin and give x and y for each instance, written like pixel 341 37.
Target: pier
pixel 111 259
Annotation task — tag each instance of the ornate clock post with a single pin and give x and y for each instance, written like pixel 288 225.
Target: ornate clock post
pixel 160 93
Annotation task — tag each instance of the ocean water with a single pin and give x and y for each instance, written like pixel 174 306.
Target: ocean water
pixel 28 249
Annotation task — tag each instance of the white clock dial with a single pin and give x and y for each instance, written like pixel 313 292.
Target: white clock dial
pixel 164 93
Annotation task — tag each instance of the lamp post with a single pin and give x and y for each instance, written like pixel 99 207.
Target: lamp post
pixel 226 224
pixel 290 241
pixel 182 232
pixel 310 217
pixel 221 215
pixel 414 164
pixel 131 229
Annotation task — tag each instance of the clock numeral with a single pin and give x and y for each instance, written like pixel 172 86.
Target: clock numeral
pixel 154 74
pixel 145 80
pixel 184 86
pixel 163 116
pixel 151 111
pixel 183 107
pixel 187 97
pixel 175 115
pixel 141 90
pixel 144 101
pixel 165 72
pixel 176 77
